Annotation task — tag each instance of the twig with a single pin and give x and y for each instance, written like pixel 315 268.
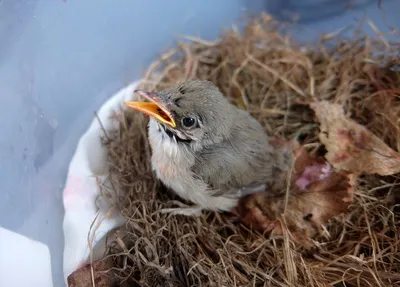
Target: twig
pixel 199 40
pixel 101 125
pixel 378 33
pixel 276 74
pixel 158 62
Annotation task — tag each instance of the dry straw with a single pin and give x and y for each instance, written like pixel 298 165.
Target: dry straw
pixel 274 79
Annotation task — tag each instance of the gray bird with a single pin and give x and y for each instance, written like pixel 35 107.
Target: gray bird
pixel 205 149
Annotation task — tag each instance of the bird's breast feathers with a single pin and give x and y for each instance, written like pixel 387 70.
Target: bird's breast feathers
pixel 169 161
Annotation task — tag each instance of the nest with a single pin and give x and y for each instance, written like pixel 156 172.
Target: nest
pixel 273 78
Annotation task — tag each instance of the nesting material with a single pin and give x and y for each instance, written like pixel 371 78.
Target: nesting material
pixel 276 80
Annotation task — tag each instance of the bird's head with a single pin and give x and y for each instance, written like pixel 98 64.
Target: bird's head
pixel 194 111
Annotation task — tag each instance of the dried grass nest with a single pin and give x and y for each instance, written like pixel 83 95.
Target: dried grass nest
pixel 273 78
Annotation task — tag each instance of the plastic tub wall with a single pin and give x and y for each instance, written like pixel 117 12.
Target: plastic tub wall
pixel 60 60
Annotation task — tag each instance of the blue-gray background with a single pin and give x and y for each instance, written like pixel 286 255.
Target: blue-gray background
pixel 61 59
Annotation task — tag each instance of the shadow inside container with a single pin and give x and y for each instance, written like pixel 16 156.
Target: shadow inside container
pixel 306 11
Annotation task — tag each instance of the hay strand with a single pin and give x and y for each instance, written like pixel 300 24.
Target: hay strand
pixel 276 80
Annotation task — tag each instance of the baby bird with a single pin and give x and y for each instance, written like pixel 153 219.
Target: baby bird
pixel 205 149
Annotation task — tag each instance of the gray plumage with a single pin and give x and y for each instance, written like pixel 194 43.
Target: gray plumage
pixel 209 163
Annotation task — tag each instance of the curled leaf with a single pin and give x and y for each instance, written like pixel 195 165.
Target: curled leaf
pixel 351 147
pixel 317 194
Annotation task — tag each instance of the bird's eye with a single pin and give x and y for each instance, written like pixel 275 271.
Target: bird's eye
pixel 188 122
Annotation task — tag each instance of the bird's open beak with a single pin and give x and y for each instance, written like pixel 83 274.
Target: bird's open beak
pixel 155 108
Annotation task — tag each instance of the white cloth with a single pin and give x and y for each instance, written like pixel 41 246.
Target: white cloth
pixel 87 168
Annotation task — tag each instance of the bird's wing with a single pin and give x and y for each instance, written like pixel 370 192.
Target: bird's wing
pixel 233 165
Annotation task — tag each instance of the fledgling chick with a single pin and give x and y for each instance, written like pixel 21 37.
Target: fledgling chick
pixel 203 148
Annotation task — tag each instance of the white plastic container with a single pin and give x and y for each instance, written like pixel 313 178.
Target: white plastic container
pixel 60 60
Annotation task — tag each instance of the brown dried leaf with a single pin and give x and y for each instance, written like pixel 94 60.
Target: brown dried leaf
pixel 237 95
pixel 317 194
pixel 82 277
pixel 351 147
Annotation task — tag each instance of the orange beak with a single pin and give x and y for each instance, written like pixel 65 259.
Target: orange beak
pixel 155 108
